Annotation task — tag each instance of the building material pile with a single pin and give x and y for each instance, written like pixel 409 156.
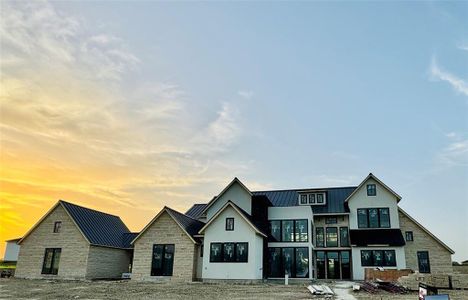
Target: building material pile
pixel 375 286
pixel 320 290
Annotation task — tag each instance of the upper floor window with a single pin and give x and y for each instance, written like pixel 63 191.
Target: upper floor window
pixel 371 190
pixel 344 237
pixel 229 224
pixel 57 226
pixel 332 236
pixel 312 198
pixel 409 236
pixel 319 237
pixel 373 217
pixel 289 230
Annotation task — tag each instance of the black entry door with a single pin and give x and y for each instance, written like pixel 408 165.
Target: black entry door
pixel 423 262
pixel 333 265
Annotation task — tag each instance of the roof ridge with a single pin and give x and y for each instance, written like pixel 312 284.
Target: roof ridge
pixel 305 189
pixel 182 214
pixel 91 209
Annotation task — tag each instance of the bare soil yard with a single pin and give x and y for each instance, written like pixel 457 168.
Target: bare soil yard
pixel 43 289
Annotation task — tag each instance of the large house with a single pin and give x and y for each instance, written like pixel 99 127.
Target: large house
pixel 311 233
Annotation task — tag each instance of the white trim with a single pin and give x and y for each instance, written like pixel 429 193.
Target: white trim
pixel 378 181
pixel 229 203
pixel 425 230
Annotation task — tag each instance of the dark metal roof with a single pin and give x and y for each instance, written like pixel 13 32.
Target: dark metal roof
pixel 196 210
pixel 190 225
pixel 367 237
pixel 252 220
pixel 101 229
pixel 127 239
pixel 335 198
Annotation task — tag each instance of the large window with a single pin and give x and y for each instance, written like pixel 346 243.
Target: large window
pixel 371 190
pixel 163 260
pixel 423 262
pixel 332 236
pixel 289 231
pixel 344 237
pixel 291 261
pixel 229 252
pixel 51 261
pixel 319 237
pixel 378 258
pixel 373 217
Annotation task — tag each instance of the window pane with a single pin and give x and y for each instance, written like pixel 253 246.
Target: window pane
pixel 362 218
pixel 275 231
pixel 319 237
pixel 302 262
pixel 320 265
pixel 409 236
pixel 312 198
pixel 47 264
pixel 168 261
pixel 390 260
pixel 242 252
pixel 378 258
pixel 332 237
pixel 384 217
pixel 288 231
pixel 156 264
pixel 304 199
pixel 373 218
pixel 228 249
pixel 366 258
pixel 215 252
pixel 319 198
pixel 275 262
pixel 288 256
pixel 56 261
pixel 345 265
pixel 229 224
pixel 423 262
pixel 371 190
pixel 301 230
pixel 344 239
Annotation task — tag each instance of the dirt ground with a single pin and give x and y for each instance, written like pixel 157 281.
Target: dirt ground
pixel 44 289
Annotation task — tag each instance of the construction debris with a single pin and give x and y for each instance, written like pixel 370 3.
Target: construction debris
pixel 375 286
pixel 320 290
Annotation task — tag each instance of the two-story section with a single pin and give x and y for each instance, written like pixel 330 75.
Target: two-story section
pixel 375 234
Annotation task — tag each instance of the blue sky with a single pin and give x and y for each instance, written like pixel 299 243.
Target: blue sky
pixel 175 99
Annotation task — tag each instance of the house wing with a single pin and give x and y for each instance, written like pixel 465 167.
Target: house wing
pixel 378 181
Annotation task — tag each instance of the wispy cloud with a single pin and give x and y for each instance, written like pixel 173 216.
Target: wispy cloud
pixel 437 73
pixel 245 94
pixel 456 152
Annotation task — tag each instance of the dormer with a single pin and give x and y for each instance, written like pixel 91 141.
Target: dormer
pixel 312 197
pixel 235 192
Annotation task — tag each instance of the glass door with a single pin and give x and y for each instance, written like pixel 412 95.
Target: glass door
pixel 333 265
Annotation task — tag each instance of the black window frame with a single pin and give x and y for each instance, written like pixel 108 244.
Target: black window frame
pixel 304 198
pixel 372 262
pixel 428 271
pixel 312 199
pixel 344 229
pixel 235 258
pixel 229 228
pixel 327 234
pixel 57 226
pixel 295 233
pixel 371 189
pixel 320 231
pixel 51 270
pixel 368 218
pixel 322 198
pixel 294 261
pixel 161 271
pixel 409 237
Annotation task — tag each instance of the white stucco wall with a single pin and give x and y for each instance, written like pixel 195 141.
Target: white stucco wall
pixel 242 232
pixel 383 199
pixel 358 270
pixel 237 194
pixel 11 251
pixel 294 213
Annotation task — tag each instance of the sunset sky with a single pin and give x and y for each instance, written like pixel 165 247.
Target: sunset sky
pixel 126 107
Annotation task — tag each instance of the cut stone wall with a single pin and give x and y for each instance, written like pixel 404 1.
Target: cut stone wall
pixel 440 258
pixel 165 231
pixel 74 256
pixel 104 262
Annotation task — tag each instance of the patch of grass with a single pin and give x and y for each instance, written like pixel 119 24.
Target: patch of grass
pixel 7 264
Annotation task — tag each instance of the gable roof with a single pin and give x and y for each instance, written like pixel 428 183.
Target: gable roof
pixel 426 230
pixel 235 180
pixel 378 181
pixel 248 218
pixel 98 228
pixel 196 210
pixel 334 204
pixel 188 224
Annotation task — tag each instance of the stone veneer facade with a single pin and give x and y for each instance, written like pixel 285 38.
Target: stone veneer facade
pixel 440 259
pixel 165 230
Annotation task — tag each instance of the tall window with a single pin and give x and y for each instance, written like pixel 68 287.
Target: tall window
pixel 319 237
pixel 57 226
pixel 163 260
pixel 229 252
pixel 229 224
pixel 312 198
pixel 332 237
pixel 289 230
pixel 423 262
pixel 378 258
pixel 293 261
pixel 371 190
pixel 344 237
pixel 51 261
pixel 320 198
pixel 373 217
